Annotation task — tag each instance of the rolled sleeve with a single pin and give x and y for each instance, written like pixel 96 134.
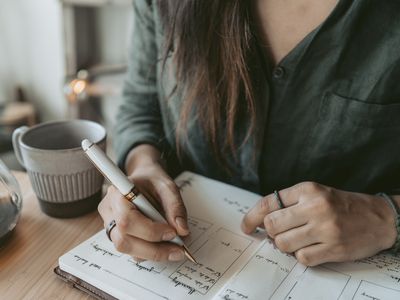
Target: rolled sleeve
pixel 139 118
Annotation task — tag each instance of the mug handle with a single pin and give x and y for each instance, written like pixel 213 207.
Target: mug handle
pixel 16 138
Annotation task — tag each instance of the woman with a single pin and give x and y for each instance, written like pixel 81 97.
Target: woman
pixel 299 96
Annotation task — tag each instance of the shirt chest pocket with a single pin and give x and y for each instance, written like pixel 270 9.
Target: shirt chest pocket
pixel 355 113
pixel 352 143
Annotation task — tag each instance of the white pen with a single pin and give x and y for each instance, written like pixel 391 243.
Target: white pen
pixel 117 178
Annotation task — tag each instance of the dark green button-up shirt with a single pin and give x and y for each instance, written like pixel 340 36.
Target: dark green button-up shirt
pixel 329 112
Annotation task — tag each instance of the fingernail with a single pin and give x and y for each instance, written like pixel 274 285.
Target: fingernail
pixel 176 256
pixel 167 236
pixel 138 260
pixel 181 223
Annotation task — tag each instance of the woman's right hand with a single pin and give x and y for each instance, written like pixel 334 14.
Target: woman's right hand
pixel 135 234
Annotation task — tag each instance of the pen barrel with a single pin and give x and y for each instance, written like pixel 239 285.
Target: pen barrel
pixel 149 211
pixel 109 170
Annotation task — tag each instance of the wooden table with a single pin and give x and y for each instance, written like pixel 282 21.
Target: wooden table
pixel 27 260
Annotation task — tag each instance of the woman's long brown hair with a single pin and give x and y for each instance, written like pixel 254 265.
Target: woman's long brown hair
pixel 210 41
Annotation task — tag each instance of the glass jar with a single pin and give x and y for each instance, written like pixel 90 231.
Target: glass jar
pixel 10 202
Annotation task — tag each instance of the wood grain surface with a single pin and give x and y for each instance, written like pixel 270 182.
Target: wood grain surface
pixel 28 258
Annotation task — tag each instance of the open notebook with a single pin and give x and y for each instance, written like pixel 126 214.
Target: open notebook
pixel 232 265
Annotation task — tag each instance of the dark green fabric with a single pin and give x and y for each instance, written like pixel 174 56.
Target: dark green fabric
pixel 329 112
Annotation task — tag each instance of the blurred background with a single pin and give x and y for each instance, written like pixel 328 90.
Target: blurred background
pixel 60 59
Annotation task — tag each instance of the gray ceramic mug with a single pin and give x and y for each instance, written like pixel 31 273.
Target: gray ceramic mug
pixel 64 180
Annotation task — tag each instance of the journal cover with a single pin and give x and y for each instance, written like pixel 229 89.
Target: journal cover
pixel 83 285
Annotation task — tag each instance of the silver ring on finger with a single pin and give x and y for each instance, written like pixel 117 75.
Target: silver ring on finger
pixel 109 228
pixel 279 200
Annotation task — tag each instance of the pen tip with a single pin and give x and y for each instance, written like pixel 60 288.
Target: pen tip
pixel 189 256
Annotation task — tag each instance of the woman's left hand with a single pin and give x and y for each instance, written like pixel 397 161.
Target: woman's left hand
pixel 321 224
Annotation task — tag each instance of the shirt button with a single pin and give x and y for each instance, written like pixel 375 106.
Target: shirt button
pixel 278 72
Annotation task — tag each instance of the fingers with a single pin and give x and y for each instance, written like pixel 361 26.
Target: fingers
pixel 158 185
pixel 174 208
pixel 256 215
pixel 130 221
pixel 139 236
pixel 266 205
pixel 144 249
pixel 314 255
pixel 282 220
pixel 138 259
pixel 295 239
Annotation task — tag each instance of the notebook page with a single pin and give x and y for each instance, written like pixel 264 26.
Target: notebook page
pixel 371 278
pixel 232 265
pixel 270 274
pixel 215 213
